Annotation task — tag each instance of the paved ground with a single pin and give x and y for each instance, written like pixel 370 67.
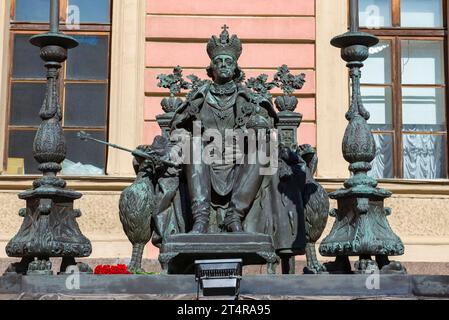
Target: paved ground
pixel 153 266
pixel 72 286
pixel 63 297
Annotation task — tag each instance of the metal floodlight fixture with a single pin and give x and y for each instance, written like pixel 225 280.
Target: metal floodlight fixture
pixel 218 277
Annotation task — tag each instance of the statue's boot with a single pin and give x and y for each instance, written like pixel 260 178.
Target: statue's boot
pixel 200 227
pixel 200 222
pixel 233 221
pixel 235 227
pixel 200 213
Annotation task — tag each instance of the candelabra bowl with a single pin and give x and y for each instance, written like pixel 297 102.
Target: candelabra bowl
pixel 54 39
pixel 352 38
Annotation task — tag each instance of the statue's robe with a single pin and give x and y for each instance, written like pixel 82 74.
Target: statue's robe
pixel 279 210
pixel 202 106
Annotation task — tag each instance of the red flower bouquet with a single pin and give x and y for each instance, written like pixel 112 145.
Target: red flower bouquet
pixel 108 269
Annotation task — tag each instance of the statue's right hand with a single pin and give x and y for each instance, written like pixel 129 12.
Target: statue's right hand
pixel 140 154
pixel 139 157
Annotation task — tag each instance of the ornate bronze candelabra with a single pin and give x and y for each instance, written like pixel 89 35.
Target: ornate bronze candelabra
pixel 49 228
pixel 361 227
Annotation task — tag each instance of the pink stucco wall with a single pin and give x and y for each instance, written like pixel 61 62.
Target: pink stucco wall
pixel 272 32
pixel 233 7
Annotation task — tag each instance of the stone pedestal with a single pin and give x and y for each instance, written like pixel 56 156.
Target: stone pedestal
pixel 179 252
pixel 163 121
pixel 289 122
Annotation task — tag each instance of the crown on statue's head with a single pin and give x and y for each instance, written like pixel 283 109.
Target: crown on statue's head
pixel 224 45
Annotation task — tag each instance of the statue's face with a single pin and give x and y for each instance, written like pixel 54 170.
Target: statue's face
pixel 223 68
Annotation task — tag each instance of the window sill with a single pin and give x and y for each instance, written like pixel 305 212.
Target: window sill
pixel 118 183
pixel 398 186
pixel 79 183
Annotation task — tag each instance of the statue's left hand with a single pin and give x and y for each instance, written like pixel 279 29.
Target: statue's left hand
pixel 144 159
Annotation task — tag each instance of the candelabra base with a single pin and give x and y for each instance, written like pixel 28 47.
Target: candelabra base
pixel 361 229
pixel 49 228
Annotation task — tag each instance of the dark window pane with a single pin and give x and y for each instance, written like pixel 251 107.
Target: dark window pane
pixel 85 153
pixel 26 101
pixel 93 11
pixel 89 60
pixel 85 105
pixel 26 60
pixel 21 147
pixel 32 10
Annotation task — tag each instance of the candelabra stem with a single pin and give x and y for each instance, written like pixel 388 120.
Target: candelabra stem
pixel 54 16
pixel 354 14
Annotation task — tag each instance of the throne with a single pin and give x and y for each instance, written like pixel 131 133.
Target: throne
pixel 286 217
